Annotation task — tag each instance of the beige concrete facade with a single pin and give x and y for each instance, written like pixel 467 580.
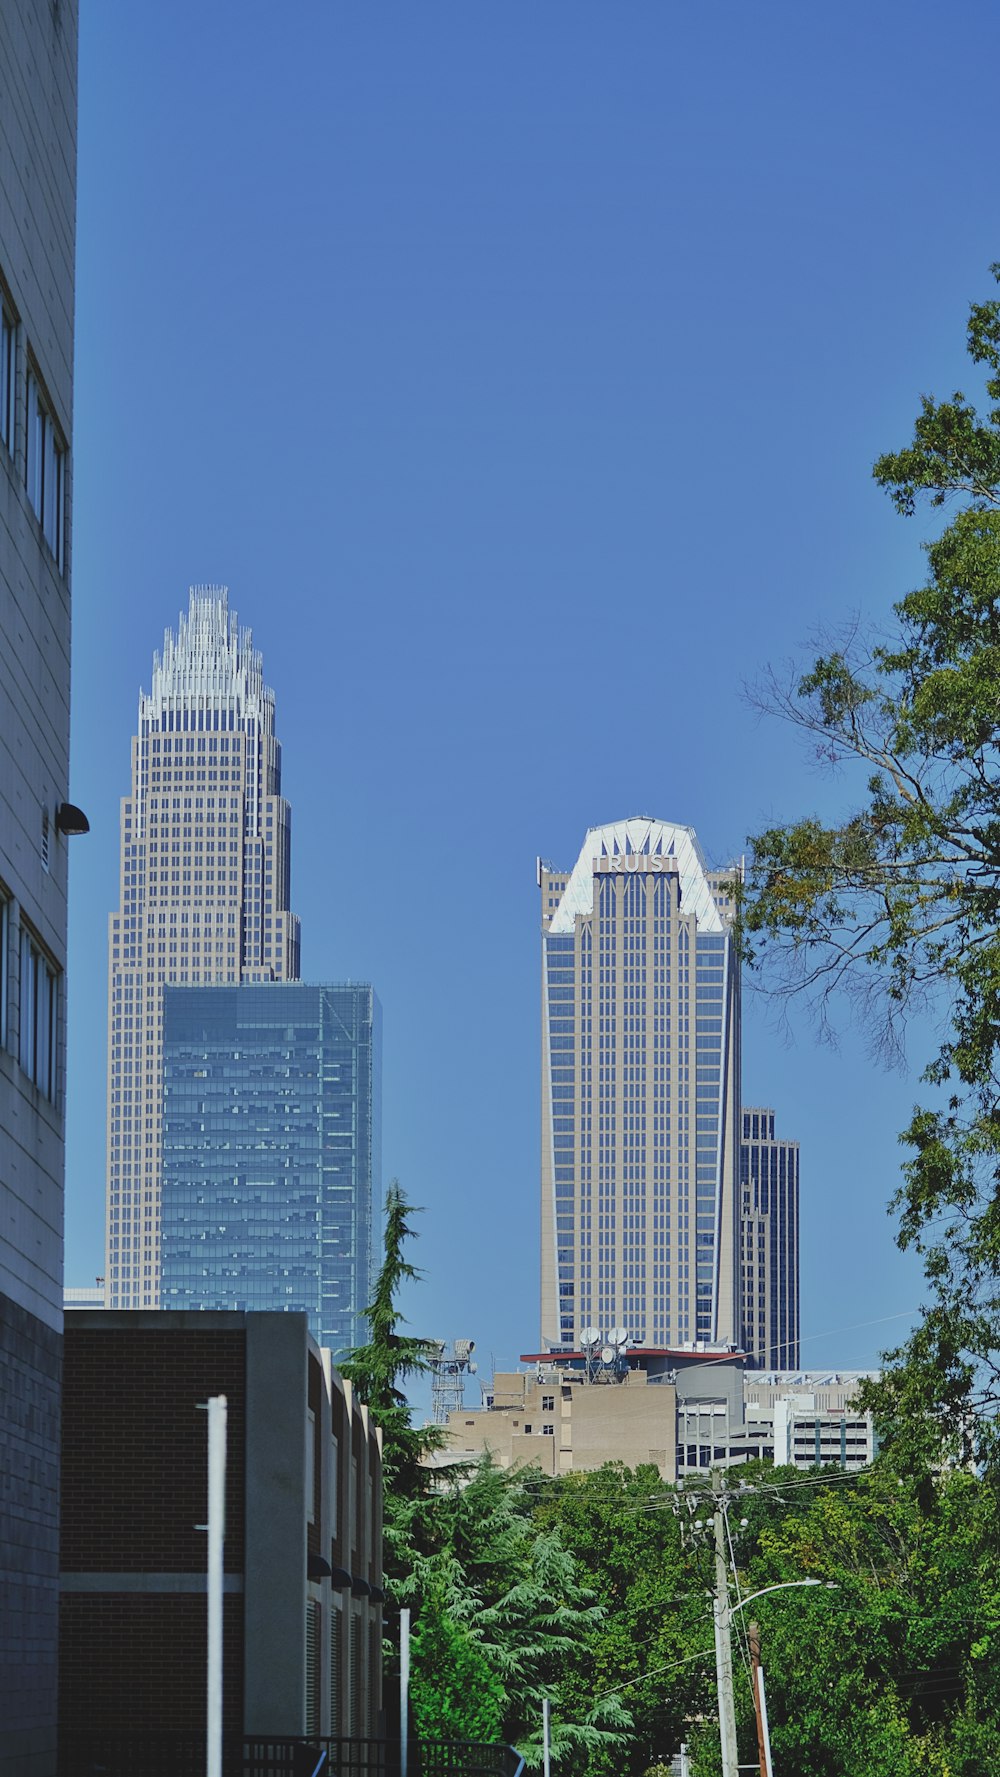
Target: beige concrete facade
pixel 38 108
pixel 555 1420
pixel 640 1091
pixel 205 885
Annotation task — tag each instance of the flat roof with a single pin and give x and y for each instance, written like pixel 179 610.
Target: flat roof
pixel 712 1356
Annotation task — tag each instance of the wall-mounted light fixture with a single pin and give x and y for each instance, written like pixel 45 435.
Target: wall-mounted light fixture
pixel 70 819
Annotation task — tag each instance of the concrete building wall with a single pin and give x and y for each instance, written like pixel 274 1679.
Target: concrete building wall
pixel 38 71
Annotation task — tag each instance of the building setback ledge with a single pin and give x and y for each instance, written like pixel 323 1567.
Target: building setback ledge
pixel 145 1582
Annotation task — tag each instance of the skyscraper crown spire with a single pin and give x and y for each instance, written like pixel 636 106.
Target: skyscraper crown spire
pixel 209 663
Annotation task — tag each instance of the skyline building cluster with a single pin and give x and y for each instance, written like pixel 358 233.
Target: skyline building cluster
pixel 244 1105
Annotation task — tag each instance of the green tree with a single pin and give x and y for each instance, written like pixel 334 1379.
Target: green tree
pixel 519 1597
pixel 899 901
pixel 457 1693
pixel 883 1676
pixel 390 1358
pixel 627 1541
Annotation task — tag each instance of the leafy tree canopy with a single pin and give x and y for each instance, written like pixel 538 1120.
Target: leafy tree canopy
pixel 898 902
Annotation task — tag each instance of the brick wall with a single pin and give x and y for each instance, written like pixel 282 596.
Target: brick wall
pixel 134 1481
pixel 132 1663
pixel 135 1462
pixel 29 1536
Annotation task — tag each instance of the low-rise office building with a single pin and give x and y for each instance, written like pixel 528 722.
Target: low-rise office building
pixel 685 1411
pixel 573 1410
pixel 805 1417
pixel 302 1589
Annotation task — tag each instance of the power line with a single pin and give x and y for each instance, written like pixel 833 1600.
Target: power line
pixel 657 1672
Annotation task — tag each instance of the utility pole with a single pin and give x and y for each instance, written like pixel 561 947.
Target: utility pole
pixel 723 1640
pixel 763 1750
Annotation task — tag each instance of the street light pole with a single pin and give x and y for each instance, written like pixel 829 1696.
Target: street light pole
pixel 216 1527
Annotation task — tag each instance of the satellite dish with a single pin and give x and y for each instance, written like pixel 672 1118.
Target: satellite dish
pixel 618 1337
pixel 607 1354
pixel 589 1338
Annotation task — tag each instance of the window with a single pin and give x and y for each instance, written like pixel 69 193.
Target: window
pixel 4 940
pixel 45 477
pixel 8 367
pixel 39 1011
pixel 310 1462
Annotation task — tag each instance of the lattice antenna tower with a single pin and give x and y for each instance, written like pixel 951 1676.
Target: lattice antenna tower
pixel 450 1365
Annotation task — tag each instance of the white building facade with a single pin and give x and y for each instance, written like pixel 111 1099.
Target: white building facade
pixel 205 886
pixel 640 1091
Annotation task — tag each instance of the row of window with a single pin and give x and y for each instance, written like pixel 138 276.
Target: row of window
pixel 44 446
pixel 37 1020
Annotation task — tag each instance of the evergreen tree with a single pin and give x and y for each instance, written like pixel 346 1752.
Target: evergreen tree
pixel 390 1357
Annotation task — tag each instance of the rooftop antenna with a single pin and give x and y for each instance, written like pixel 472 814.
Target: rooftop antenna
pixel 450 1363
pixel 618 1340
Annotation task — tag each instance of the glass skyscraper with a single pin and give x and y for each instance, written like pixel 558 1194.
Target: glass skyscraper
pixel 271 1161
pixel 205 884
pixel 640 1091
pixel 769 1235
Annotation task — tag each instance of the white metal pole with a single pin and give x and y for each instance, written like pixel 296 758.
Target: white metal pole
pixel 404 1691
pixel 546 1750
pixel 217 1414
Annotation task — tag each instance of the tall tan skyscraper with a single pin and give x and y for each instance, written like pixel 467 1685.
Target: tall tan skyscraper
pixel 640 1091
pixel 205 882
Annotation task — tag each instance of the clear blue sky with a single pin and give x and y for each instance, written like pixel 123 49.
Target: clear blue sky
pixel 520 368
